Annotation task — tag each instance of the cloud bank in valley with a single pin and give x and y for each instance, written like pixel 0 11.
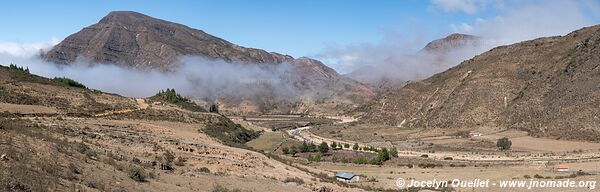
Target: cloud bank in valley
pixel 194 76
pixel 397 58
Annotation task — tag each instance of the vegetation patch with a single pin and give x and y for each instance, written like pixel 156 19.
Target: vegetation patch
pixel 228 132
pixel 170 96
pixel 69 82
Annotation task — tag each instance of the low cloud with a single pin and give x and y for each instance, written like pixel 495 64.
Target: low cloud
pixel 399 58
pixel 205 79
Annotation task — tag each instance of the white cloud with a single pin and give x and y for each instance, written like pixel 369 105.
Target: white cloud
pixel 467 6
pixel 532 19
pixel 26 49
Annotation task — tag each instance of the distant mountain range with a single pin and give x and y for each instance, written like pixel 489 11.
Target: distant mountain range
pixel 547 86
pixel 438 54
pixel 139 41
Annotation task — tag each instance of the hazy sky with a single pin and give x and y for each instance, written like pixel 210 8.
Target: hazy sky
pixel 300 28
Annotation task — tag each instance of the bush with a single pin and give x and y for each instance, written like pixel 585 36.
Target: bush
pixel 315 158
pixel 394 152
pixel 137 174
pixel 204 170
pixel 297 180
pixel 359 160
pixel 355 146
pixel 323 147
pixel 69 82
pixel 220 188
pixel 504 143
pixel 167 160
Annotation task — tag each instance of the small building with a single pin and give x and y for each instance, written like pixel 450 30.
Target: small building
pixel 563 167
pixel 474 134
pixel 347 177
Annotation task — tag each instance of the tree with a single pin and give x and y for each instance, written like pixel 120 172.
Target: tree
pixel 304 147
pixel 293 150
pixel 346 145
pixel 334 145
pixel 504 143
pixel 323 147
pixel 214 108
pixel 286 150
pixel 394 152
pixel 312 147
pixel 166 160
pixel 384 154
pixel 355 146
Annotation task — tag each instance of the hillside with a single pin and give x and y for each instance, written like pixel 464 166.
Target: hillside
pixel 55 136
pixel 547 86
pixel 138 41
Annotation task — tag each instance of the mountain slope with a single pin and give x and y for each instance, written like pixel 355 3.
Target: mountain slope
pixel 140 41
pixel 548 86
pixel 56 137
pixel 135 40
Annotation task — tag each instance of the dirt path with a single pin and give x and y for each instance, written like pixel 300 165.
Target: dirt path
pixel 141 104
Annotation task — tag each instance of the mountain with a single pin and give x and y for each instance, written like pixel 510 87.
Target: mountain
pixel 547 86
pixel 138 41
pixel 452 41
pixel 436 56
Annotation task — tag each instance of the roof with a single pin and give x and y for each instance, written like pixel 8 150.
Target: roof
pixel 562 166
pixel 344 175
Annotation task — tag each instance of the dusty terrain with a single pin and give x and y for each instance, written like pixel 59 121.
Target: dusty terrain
pixel 114 143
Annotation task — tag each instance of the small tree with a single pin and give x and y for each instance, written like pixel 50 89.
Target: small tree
pixel 346 145
pixel 293 150
pixel 312 147
pixel 334 145
pixel 504 143
pixel 323 147
pixel 355 146
pixel 285 150
pixel 167 160
pixel 394 152
pixel 137 174
pixel 304 147
pixel 214 109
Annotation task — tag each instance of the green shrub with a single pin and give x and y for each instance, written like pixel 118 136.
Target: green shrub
pixel 504 143
pixel 204 170
pixel 173 97
pixel 69 82
pixel 323 147
pixel 137 174
pixel 297 180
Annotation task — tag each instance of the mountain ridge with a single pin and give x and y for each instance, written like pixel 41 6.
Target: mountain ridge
pixel 547 86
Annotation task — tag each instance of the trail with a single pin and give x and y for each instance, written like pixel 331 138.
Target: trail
pixel 141 104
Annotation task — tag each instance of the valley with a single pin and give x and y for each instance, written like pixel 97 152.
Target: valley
pixel 137 103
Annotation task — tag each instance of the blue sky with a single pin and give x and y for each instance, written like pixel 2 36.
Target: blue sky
pixel 342 33
pixel 298 28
